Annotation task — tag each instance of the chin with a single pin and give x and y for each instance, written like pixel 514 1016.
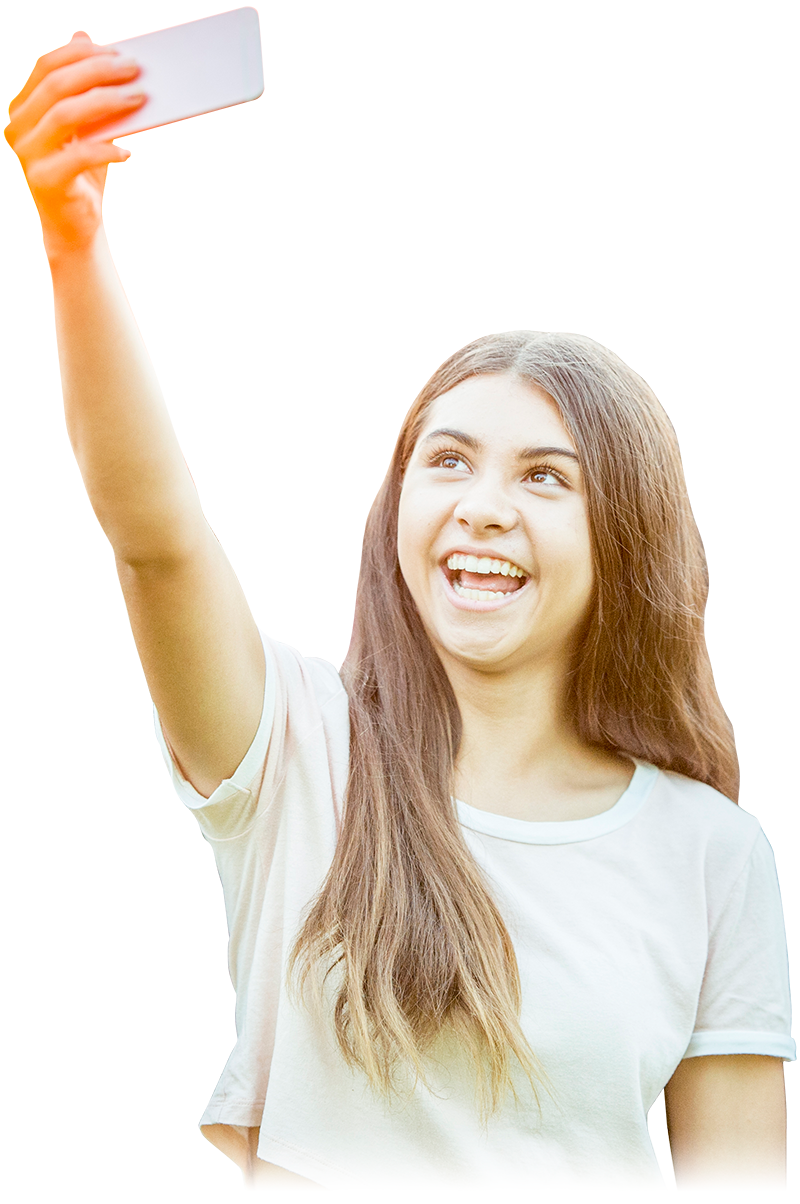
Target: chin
pixel 487 655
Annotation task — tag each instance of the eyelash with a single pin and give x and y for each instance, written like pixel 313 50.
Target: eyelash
pixel 438 456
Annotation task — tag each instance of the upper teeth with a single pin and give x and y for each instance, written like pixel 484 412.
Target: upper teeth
pixel 483 564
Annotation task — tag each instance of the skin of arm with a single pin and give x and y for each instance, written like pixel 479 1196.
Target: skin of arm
pixel 198 643
pixel 726 1117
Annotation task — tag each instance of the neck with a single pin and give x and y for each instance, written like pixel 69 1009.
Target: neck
pixel 518 750
pixel 514 720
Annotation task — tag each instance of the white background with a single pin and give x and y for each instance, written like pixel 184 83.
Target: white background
pixel 768 479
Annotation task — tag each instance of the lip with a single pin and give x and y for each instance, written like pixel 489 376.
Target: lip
pixel 481 607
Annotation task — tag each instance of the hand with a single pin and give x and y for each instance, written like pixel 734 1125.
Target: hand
pixel 70 92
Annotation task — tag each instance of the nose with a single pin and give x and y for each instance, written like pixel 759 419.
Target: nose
pixel 485 506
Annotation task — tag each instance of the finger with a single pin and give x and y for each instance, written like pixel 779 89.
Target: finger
pixel 67 117
pixel 53 172
pixel 78 48
pixel 66 81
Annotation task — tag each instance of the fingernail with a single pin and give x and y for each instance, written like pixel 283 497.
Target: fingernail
pixel 127 62
pixel 131 96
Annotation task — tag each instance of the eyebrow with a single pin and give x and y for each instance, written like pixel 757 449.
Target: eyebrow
pixel 526 453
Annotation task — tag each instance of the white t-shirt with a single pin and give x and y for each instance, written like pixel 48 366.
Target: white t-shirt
pixel 646 934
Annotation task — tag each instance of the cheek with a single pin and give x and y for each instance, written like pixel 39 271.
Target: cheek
pixel 420 521
pixel 408 537
pixel 570 555
pixel 583 564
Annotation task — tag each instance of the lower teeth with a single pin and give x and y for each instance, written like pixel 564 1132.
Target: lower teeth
pixel 479 595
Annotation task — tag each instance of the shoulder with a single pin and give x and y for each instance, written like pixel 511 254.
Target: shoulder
pixel 703 823
pixel 299 674
pixel 703 801
pixel 703 809
pixel 306 691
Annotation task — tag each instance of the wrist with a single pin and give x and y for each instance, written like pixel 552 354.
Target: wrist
pixel 65 253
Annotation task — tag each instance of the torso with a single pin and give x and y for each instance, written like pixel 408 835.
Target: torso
pixel 610 927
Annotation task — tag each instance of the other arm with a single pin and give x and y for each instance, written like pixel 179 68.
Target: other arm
pixel 726 1116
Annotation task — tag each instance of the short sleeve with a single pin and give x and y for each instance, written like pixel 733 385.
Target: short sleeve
pixel 302 695
pixel 234 800
pixel 744 1001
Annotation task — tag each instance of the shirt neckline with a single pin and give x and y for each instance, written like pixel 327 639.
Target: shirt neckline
pixel 564 831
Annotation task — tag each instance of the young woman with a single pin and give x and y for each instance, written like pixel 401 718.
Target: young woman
pixel 487 889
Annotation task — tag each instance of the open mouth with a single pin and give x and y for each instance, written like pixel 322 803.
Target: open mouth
pixel 483 579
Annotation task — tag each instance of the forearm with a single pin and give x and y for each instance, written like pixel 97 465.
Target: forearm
pixel 125 445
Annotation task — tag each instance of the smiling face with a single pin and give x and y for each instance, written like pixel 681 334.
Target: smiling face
pixel 493 535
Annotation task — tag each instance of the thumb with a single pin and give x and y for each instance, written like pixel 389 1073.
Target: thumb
pixel 80 34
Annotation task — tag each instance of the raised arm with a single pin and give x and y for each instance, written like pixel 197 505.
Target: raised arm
pixel 197 640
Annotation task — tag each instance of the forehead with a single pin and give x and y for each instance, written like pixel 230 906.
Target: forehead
pixel 499 411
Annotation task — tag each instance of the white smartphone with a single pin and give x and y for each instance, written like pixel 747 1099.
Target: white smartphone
pixel 193 68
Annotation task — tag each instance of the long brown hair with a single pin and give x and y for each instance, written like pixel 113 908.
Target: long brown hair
pixel 405 915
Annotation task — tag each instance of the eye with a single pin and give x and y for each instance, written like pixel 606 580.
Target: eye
pixel 545 474
pixel 448 459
